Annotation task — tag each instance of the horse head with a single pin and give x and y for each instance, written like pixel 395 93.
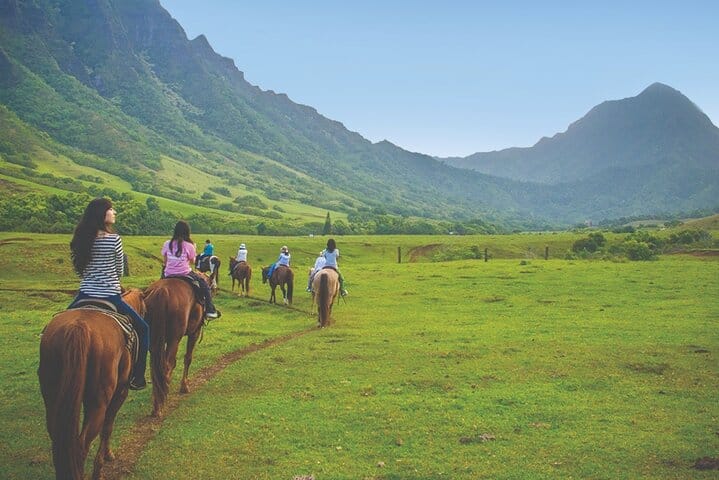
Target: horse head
pixel 211 282
pixel 265 271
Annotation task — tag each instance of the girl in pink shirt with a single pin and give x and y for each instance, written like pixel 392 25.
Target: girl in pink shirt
pixel 179 254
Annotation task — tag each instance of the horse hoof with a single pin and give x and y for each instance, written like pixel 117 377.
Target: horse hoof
pixel 109 456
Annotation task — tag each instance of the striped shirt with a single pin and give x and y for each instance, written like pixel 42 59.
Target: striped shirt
pixel 101 277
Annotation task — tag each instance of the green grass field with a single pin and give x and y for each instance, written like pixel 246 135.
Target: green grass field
pixel 433 368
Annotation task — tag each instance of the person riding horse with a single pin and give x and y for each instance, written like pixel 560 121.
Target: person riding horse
pixel 331 253
pixel 97 256
pixel 241 253
pixel 320 262
pixel 240 270
pixel 282 260
pixel 207 253
pixel 178 252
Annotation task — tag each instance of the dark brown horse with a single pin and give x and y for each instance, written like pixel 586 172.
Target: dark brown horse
pixel 283 277
pixel 325 288
pixel 242 272
pixel 212 265
pixel 84 363
pixel 173 311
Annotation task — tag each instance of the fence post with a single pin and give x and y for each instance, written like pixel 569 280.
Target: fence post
pixel 399 254
pixel 486 256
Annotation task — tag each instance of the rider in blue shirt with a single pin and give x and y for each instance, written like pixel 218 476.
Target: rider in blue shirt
pixel 206 253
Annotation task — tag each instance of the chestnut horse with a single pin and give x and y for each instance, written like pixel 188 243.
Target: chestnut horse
pixel 325 288
pixel 242 272
pixel 173 311
pixel 84 363
pixel 284 277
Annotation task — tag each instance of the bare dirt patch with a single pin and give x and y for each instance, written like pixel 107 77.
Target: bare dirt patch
pixel 424 251
pixel 707 463
pixel 15 240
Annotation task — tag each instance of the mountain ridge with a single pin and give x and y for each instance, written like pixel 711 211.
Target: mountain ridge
pixel 592 143
pixel 122 84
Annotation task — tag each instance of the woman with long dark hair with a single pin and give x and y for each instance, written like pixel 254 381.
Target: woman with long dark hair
pixel 331 254
pixel 97 257
pixel 179 254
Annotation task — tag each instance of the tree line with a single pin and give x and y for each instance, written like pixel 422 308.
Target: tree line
pixel 59 213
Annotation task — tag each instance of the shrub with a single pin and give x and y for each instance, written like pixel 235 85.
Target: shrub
pixel 221 191
pixel 593 242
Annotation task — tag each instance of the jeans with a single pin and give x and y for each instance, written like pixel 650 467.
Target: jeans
pixel 141 326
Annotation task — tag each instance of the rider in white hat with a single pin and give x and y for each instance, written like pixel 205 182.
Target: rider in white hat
pixel 242 253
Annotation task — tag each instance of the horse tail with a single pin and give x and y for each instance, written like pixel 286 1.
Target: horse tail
pixel 248 276
pixel 290 285
pixel 63 417
pixel 158 351
pixel 323 300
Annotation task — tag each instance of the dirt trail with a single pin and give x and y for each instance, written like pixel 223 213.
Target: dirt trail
pixel 132 445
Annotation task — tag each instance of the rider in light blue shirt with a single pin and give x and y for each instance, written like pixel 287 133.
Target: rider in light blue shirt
pixel 282 260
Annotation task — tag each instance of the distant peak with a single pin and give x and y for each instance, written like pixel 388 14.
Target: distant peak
pixel 660 88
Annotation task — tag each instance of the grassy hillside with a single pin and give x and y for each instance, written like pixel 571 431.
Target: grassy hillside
pixel 513 368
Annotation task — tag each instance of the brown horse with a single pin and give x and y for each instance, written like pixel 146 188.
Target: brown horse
pixel 242 272
pixel 283 277
pixel 212 265
pixel 325 288
pixel 173 311
pixel 84 363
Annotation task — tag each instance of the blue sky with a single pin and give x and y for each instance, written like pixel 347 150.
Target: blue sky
pixel 450 78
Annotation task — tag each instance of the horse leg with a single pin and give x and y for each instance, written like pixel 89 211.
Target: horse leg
pixel 172 348
pixel 284 293
pixel 272 295
pixel 92 424
pixel 191 342
pixel 104 448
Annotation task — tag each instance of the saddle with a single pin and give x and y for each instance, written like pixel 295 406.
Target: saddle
pixel 196 287
pixel 132 341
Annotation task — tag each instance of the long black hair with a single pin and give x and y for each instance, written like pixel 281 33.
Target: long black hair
pixel 91 222
pixel 331 245
pixel 181 234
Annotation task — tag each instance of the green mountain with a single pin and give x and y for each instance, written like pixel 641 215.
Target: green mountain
pixel 120 81
pixel 654 152
pixel 110 95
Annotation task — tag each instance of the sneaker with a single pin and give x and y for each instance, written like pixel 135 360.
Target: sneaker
pixel 138 383
pixel 308 290
pixel 215 314
pixel 344 293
